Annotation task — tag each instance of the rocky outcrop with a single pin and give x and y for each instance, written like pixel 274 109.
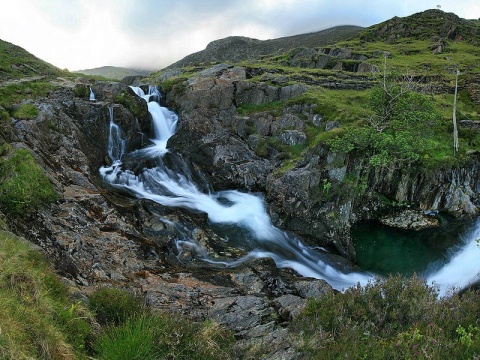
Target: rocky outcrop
pixel 210 130
pixel 409 219
pixel 316 197
pixel 430 25
pixel 331 58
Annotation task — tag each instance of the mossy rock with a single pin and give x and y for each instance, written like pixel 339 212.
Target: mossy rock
pixel 26 112
pixel 82 91
pixel 132 102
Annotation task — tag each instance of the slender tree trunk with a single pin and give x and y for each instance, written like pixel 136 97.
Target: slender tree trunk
pixel 455 130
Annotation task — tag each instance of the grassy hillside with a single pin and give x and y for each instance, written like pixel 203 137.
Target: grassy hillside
pixel 16 62
pixel 113 72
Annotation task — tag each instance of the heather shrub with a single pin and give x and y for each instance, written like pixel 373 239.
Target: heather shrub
pixel 392 318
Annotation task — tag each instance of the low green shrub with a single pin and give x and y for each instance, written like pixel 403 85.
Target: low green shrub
pixel 391 318
pixel 114 306
pixel 82 91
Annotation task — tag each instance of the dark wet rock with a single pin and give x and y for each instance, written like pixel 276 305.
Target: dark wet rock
pixel 309 288
pixel 291 306
pixel 242 314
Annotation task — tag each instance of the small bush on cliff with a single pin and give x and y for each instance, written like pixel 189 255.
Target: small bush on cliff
pixel 133 103
pixel 114 306
pixel 391 318
pixel 403 127
pixel 82 91
pixel 24 187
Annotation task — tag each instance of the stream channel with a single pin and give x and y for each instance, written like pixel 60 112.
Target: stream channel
pixel 447 256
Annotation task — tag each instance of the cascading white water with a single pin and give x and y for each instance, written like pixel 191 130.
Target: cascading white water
pixel 164 120
pixel 92 94
pixel 463 268
pixel 116 145
pixel 233 208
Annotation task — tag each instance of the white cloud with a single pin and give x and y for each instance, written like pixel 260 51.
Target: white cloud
pixel 152 34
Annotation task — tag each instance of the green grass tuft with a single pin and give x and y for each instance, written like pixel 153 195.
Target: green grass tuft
pixel 26 112
pixel 275 108
pixel 24 187
pixel 37 319
pixel 114 306
pixel 135 333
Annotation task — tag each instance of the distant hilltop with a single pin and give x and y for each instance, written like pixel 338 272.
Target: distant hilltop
pixel 113 72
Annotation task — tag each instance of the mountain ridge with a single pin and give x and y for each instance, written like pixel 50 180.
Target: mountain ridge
pixel 238 48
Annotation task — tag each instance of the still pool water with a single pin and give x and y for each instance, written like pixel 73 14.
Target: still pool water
pixel 384 250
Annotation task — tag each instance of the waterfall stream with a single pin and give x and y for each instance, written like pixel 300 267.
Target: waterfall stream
pixel 244 212
pixel 92 94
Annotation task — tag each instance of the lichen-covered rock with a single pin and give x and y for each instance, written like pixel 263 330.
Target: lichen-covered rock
pixel 410 220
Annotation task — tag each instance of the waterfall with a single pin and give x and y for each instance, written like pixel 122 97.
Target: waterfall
pixel 116 145
pixel 92 94
pixel 243 213
pixel 164 121
pixel 463 268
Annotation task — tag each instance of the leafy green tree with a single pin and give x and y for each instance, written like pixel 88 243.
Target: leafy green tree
pixel 401 127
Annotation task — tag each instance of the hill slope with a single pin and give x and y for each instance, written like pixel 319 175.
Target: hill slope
pixel 15 62
pixel 238 48
pixel 431 25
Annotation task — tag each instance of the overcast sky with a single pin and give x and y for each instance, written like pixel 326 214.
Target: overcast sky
pixel 152 34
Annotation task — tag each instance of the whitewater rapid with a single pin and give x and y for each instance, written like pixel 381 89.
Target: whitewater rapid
pixel 245 211
pixel 463 267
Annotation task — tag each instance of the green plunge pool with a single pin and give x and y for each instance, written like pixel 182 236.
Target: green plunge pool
pixel 384 250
